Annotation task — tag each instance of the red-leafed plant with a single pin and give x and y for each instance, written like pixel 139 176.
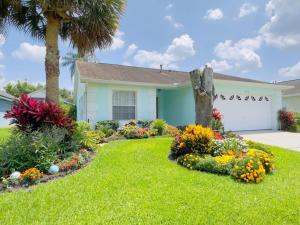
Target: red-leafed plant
pixel 216 114
pixel 287 120
pixel 29 114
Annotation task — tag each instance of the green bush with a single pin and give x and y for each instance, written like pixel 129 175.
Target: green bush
pixel 38 149
pixel 209 164
pixel 159 125
pixel 83 126
pixel 108 124
pixel 217 125
pixel 106 130
pixel 144 123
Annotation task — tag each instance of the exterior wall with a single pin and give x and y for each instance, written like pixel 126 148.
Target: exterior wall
pixel 177 106
pixel 80 97
pixel 99 101
pixel 291 103
pixel 4 106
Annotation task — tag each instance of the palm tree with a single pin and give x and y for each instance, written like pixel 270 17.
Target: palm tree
pixel 86 24
pixel 70 58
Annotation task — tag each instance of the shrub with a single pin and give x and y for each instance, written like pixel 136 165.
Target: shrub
pixel 38 149
pixel 83 126
pixel 134 132
pixel 109 124
pixel 287 120
pixel 144 123
pixel 159 125
pixel 211 165
pixel 171 130
pixel 29 114
pixel 220 147
pixel 217 125
pixel 195 139
pixel 75 161
pixel 248 170
pixel 265 158
pixel 31 176
pixel 189 160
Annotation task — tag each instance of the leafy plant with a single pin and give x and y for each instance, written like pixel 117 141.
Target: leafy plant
pixel 287 120
pixel 134 132
pixel 217 125
pixel 211 165
pixel 216 114
pixel 144 123
pixel 220 147
pixel 189 160
pixel 171 130
pixel 159 125
pixel 29 114
pixel 109 124
pixel 38 149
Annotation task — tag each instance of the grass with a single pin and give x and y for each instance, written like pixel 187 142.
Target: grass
pixel 4 133
pixel 133 182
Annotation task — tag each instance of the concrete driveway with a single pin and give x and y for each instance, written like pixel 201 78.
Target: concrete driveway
pixel 282 139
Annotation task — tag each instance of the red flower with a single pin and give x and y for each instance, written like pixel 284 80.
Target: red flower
pixel 218 136
pixel 216 114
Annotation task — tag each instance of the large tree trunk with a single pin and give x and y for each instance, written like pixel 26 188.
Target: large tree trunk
pixel 203 88
pixel 52 59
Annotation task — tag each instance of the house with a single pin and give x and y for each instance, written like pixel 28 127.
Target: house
pixel 291 97
pixel 5 105
pixel 40 95
pixel 108 91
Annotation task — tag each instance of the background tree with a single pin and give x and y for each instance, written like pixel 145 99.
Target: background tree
pixel 203 88
pixel 70 58
pixel 86 24
pixel 21 87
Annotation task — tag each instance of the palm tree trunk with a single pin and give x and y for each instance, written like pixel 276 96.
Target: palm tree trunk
pixel 52 59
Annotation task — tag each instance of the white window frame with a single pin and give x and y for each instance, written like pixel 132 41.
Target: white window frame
pixel 135 103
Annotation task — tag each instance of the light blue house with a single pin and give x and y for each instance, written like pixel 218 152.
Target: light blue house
pixel 5 105
pixel 107 91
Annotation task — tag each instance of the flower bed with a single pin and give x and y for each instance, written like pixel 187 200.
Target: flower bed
pixel 43 138
pixel 200 148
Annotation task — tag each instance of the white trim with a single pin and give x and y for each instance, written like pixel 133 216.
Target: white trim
pixel 187 84
pixel 291 95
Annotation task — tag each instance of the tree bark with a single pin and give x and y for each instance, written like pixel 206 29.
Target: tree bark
pixel 203 88
pixel 52 59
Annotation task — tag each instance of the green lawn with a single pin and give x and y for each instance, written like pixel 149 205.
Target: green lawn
pixel 133 182
pixel 4 133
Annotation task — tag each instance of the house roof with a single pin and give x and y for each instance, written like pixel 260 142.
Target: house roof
pixel 293 91
pixel 113 72
pixel 6 96
pixel 38 94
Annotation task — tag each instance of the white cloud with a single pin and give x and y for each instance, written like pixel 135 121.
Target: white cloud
pixel 27 51
pixel 173 22
pixel 292 71
pixel 247 9
pixel 130 50
pixel 282 30
pixel 169 6
pixel 214 14
pixel 180 49
pixel 118 41
pixel 241 54
pixel 219 66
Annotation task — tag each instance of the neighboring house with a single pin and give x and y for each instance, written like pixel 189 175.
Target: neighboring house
pixel 41 95
pixel 5 105
pixel 107 91
pixel 291 97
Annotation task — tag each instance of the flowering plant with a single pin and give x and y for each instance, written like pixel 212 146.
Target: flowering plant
pixel 30 114
pixel 31 176
pixel 248 170
pixel 264 157
pixel 216 114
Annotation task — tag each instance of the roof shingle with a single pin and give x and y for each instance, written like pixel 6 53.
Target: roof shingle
pixel 113 72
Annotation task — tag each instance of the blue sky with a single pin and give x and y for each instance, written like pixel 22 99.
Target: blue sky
pixel 258 39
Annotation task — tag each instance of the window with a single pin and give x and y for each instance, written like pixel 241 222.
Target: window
pixel 124 103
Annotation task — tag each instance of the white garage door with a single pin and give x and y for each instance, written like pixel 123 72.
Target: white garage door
pixel 244 112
